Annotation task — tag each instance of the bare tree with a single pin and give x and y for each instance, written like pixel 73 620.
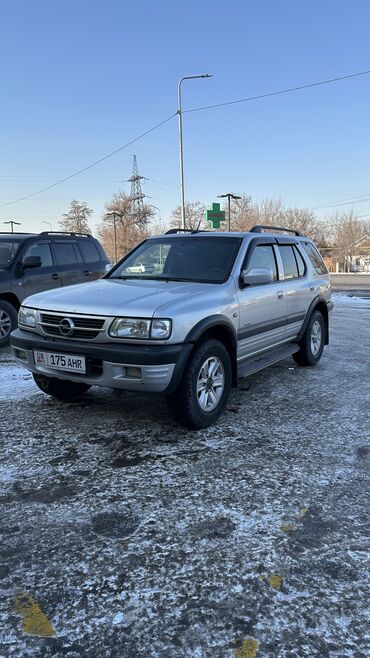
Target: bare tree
pixel 76 219
pixel 305 221
pixel 194 216
pixel 129 228
pixel 347 230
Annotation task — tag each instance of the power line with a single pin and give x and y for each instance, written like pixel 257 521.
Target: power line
pixel 358 199
pixel 279 92
pixel 197 109
pixel 93 164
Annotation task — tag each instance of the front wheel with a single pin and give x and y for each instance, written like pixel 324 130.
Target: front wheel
pixel 8 321
pixel 312 343
pixel 59 388
pixel 202 394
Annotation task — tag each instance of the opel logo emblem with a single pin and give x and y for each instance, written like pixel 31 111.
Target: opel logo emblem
pixel 66 327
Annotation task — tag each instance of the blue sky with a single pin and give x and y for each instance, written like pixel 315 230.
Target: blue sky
pixel 82 77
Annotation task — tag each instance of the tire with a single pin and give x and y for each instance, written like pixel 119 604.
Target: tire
pixel 8 322
pixel 60 389
pixel 204 389
pixel 312 343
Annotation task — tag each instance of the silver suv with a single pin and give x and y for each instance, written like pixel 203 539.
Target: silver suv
pixel 184 315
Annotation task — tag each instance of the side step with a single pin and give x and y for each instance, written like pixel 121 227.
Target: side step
pixel 249 366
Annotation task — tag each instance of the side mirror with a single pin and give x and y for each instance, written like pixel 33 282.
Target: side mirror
pixel 257 276
pixel 31 261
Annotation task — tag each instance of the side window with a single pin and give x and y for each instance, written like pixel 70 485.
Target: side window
pixel 89 251
pixel 300 262
pixel 65 253
pixel 43 250
pixel 315 258
pixel 263 256
pixel 289 262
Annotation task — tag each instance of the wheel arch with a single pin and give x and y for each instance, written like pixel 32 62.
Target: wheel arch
pixel 220 328
pixel 318 304
pixel 11 299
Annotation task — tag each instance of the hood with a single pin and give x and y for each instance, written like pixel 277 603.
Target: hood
pixel 113 297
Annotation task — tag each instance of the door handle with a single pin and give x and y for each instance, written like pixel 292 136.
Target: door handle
pixel 280 294
pixel 313 288
pixel 87 273
pixel 55 276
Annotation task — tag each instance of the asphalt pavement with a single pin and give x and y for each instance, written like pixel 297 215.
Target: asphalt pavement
pixel 126 536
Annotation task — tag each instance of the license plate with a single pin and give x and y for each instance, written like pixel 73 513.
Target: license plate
pixel 69 362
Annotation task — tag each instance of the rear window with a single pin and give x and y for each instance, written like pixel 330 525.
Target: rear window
pixel 89 251
pixel 289 262
pixel 65 253
pixel 315 258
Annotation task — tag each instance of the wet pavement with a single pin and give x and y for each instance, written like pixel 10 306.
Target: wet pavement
pixel 123 535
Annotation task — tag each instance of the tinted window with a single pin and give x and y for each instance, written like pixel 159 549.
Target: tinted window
pixel 315 258
pixel 89 251
pixel 300 262
pixel 65 253
pixel 207 259
pixel 263 256
pixel 41 249
pixel 289 262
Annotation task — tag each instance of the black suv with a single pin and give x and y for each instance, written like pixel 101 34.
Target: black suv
pixel 31 263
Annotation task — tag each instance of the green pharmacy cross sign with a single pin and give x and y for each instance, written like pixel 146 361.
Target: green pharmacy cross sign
pixel 215 215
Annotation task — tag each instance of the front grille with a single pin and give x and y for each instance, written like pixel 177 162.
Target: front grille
pixel 84 327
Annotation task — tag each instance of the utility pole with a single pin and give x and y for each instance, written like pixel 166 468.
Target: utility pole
pixel 229 196
pixel 179 112
pixel 137 195
pixel 114 215
pixel 12 224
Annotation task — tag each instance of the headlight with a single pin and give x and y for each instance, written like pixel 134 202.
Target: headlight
pixel 140 328
pixel 27 316
pixel 130 328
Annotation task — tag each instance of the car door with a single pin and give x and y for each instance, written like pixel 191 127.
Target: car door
pixel 94 268
pixel 70 262
pixel 37 279
pixel 262 308
pixel 296 286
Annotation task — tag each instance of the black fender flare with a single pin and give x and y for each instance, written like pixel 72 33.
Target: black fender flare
pixel 318 301
pixel 208 323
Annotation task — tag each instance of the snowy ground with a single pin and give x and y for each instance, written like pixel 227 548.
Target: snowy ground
pixel 124 536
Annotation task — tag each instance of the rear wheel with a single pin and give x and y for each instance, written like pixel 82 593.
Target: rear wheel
pixel 204 389
pixel 312 343
pixel 61 389
pixel 8 321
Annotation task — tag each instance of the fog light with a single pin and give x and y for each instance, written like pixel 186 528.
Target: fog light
pixel 131 371
pixel 21 354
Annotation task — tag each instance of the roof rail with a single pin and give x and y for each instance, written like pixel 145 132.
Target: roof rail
pixel 173 231
pixel 87 235
pixel 259 227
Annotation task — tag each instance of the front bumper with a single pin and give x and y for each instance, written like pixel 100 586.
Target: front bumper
pixel 157 368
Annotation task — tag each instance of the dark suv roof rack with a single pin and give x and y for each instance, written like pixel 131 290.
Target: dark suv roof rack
pixel 173 231
pixel 259 227
pixel 87 235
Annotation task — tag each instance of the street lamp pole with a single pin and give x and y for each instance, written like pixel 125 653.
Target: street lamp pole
pixel 49 223
pixel 229 196
pixel 12 224
pixel 114 215
pixel 179 112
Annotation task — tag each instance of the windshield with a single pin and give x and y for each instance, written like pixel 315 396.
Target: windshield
pixel 8 249
pixel 199 259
